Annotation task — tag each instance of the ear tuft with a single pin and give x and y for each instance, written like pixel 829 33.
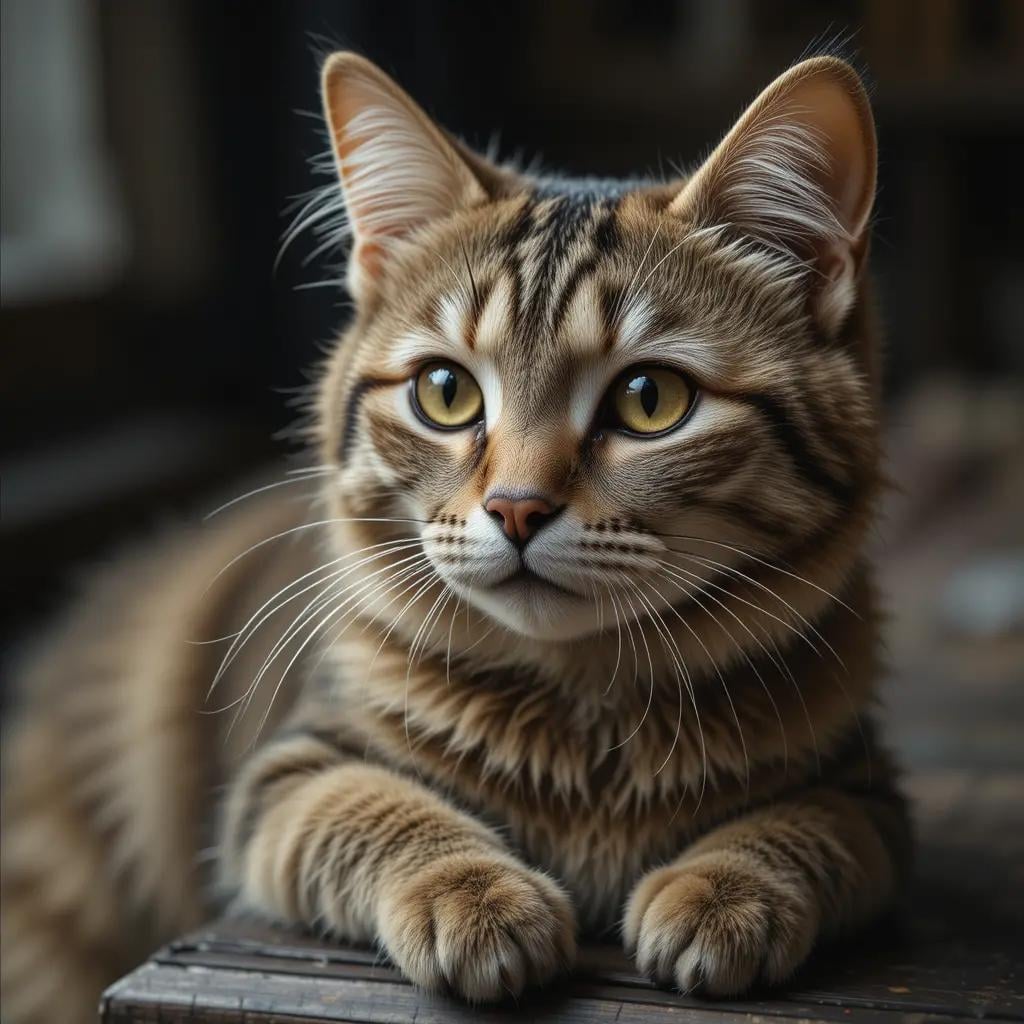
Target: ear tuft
pixel 398 170
pixel 797 174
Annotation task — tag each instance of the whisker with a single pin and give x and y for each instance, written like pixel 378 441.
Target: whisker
pixel 308 475
pixel 675 248
pixel 618 639
pixel 746 657
pixel 422 630
pixel 306 526
pixel 769 565
pixel 775 655
pixel 683 677
pixel 360 586
pixel 704 560
pixel 432 577
pixel 385 587
pixel 744 601
pixel 725 686
pixel 448 652
pixel 650 694
pixel 679 665
pixel 319 629
pixel 626 294
pixel 241 638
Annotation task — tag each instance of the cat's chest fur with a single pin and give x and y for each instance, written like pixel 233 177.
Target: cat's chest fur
pixel 594 801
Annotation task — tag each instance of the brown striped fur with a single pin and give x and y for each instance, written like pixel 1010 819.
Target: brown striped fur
pixel 673 737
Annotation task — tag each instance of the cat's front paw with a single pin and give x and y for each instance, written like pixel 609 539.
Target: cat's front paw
pixel 720 923
pixel 479 925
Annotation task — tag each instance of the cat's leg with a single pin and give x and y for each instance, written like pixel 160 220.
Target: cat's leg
pixel 317 837
pixel 746 903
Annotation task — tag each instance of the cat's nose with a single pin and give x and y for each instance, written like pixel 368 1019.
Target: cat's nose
pixel 520 518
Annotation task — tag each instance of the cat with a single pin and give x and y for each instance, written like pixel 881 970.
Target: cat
pixel 576 637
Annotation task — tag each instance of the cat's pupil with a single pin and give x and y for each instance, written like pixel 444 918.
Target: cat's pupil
pixel 648 391
pixel 447 382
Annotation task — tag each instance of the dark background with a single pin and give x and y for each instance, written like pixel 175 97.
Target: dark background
pixel 150 150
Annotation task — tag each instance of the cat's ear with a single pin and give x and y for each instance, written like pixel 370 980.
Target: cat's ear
pixel 398 169
pixel 797 173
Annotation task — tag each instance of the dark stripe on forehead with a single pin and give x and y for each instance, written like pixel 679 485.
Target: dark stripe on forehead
pixel 522 225
pixel 612 299
pixel 604 239
pixel 359 391
pixel 518 231
pixel 577 276
pixel 566 219
pixel 480 297
pixel 791 438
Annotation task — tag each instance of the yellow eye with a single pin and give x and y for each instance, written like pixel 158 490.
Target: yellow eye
pixel 650 399
pixel 447 396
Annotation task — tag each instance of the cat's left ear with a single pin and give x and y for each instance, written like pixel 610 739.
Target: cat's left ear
pixel 398 169
pixel 797 173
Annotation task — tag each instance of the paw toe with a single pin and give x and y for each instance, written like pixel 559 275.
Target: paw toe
pixel 717 928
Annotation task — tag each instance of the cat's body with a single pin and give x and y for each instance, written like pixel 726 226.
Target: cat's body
pixel 666 723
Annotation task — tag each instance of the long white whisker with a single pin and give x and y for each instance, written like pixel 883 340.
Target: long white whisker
pixel 305 643
pixel 743 654
pixel 448 652
pixel 769 565
pixel 675 248
pixel 725 688
pixel 712 563
pixel 681 673
pixel 305 526
pixel 774 655
pixel 432 578
pixel 422 632
pixel 650 693
pixel 252 626
pixel 627 292
pixel 308 475
pixel 618 638
pixel 385 586
pixel 744 601
pixel 360 586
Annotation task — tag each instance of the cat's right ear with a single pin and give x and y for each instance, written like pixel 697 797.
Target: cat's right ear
pixel 398 169
pixel 797 173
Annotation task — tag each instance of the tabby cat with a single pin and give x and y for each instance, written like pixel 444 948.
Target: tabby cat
pixel 577 635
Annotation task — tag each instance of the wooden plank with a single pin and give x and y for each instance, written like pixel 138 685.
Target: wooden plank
pixel 175 994
pixel 961 982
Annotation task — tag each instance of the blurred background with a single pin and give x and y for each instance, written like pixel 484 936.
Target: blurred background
pixel 151 151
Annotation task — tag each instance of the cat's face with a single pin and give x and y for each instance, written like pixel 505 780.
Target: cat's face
pixel 583 400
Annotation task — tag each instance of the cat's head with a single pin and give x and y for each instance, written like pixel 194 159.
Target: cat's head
pixel 554 391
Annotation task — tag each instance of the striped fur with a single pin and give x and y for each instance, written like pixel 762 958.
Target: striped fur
pixel 673 738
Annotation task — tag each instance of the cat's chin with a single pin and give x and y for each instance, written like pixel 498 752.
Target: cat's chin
pixel 537 610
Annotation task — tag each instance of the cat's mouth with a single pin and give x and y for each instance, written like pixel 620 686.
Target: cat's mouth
pixel 527 577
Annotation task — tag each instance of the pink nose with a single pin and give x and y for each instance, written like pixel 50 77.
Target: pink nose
pixel 520 519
